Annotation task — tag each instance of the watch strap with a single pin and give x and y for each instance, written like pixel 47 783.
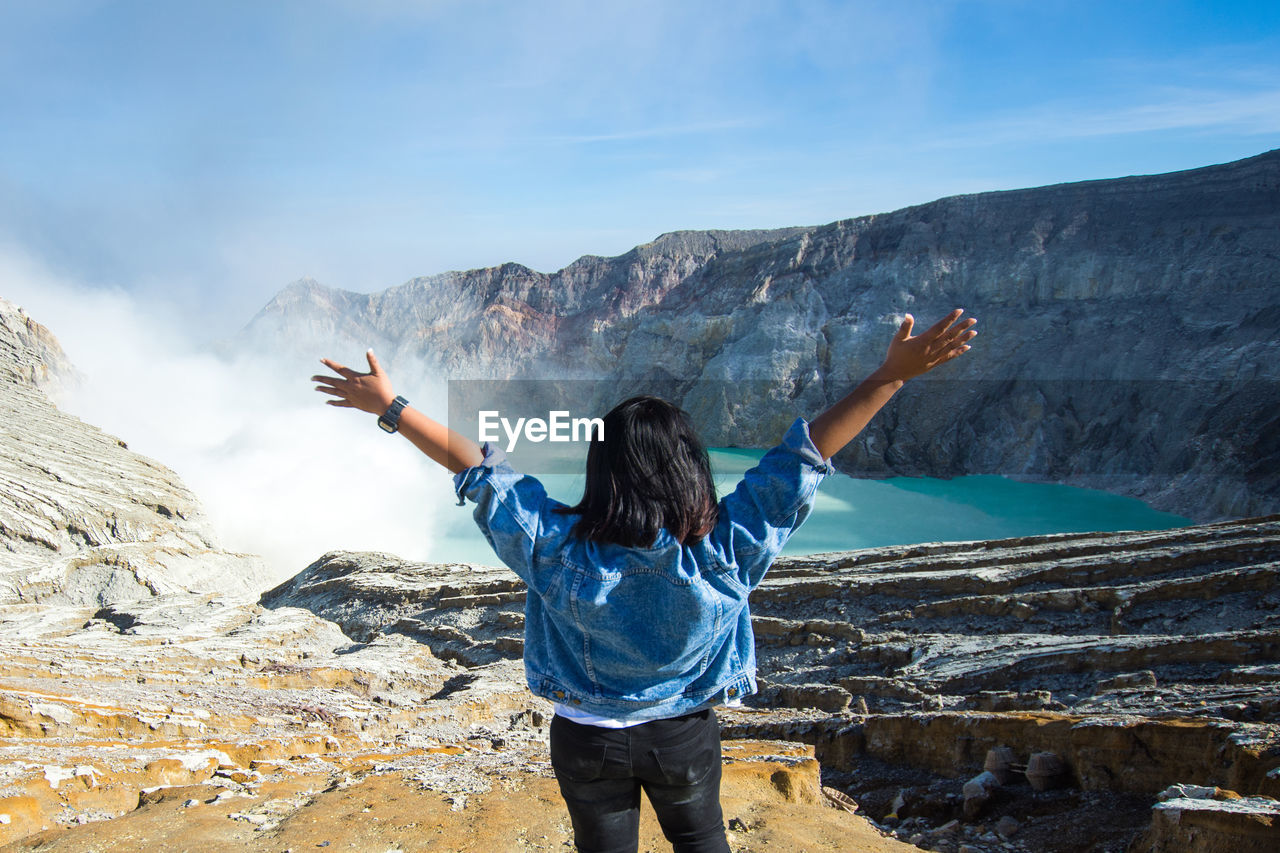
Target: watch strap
pixel 390 419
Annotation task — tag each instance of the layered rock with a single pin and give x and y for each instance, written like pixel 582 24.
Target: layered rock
pixel 1173 623
pixel 370 679
pixel 30 355
pixel 1209 820
pixel 1079 624
pixel 83 519
pixel 193 721
pixel 1138 660
pixel 1129 332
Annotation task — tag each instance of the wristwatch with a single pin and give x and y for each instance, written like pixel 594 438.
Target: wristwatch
pixel 390 420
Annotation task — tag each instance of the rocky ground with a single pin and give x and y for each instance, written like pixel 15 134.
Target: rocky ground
pixel 1139 661
pixel 148 701
pixel 378 704
pixel 198 722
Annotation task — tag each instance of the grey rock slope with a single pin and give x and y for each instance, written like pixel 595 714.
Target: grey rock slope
pixel 1130 331
pixel 1080 623
pixel 83 519
pixel 1137 660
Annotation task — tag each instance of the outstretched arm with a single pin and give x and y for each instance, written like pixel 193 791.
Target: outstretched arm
pixel 907 358
pixel 371 392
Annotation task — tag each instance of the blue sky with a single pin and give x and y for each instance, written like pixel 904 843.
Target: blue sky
pixel 205 154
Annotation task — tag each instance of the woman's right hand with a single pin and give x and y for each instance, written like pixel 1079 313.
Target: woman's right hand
pixel 369 392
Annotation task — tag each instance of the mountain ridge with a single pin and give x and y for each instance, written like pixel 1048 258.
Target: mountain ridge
pixel 1160 287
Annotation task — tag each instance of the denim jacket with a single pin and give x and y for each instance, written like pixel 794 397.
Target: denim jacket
pixel 643 633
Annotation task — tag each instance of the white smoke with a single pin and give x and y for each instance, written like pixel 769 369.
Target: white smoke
pixel 280 474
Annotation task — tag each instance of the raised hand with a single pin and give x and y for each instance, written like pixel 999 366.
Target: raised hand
pixel 369 392
pixel 910 356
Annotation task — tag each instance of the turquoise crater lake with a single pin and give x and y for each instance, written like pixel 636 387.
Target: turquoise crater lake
pixel 852 513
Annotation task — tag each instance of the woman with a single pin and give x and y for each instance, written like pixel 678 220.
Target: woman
pixel 637 621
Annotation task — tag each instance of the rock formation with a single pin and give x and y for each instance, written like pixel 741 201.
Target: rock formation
pixel 1135 660
pixel 1212 820
pixel 83 519
pixel 1129 332
pixel 193 722
pixel 1074 624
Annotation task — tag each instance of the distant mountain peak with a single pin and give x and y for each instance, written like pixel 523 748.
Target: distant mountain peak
pixel 306 282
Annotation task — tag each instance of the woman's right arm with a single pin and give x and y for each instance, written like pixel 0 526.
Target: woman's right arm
pixel 371 392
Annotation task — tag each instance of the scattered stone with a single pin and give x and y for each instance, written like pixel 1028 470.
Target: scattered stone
pixel 249 817
pixel 1144 679
pixel 1007 827
pixel 899 802
pixel 839 799
pixel 1190 792
pixel 977 791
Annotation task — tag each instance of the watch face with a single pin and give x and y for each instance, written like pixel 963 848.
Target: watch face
pixel 386 425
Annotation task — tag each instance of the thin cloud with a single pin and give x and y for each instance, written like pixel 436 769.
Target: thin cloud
pixel 692 175
pixel 665 132
pixel 1257 112
pixel 1253 113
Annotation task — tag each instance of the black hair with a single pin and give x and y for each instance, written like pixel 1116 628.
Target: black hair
pixel 649 470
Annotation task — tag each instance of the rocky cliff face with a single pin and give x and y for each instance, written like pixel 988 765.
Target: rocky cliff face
pixel 83 519
pixel 1129 331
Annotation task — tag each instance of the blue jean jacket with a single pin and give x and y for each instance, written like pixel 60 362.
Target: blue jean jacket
pixel 643 633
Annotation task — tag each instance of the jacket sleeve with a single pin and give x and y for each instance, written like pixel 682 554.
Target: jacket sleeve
pixel 509 507
pixel 772 500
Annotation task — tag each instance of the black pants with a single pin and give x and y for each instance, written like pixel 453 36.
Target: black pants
pixel 675 761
